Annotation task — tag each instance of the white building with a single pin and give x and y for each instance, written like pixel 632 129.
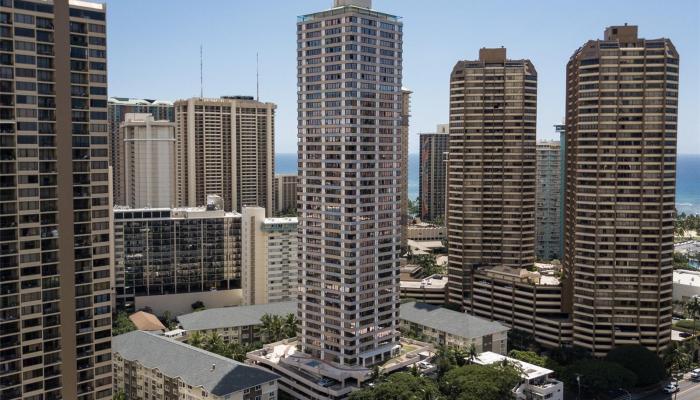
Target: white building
pixel 537 383
pixel 686 284
pixel 149 161
pixel 149 366
pixel 270 271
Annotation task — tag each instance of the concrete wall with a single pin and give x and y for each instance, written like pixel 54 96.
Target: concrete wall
pixel 179 304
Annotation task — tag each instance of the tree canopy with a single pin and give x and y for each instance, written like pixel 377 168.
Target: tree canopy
pixel 597 377
pixel 644 363
pixel 400 386
pixel 480 382
pixel 122 324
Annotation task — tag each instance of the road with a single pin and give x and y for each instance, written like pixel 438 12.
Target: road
pixel 689 391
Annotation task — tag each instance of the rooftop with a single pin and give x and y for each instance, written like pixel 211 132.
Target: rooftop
pixel 445 320
pixel 686 278
pixel 529 371
pixel 436 282
pixel 139 102
pixel 216 374
pixel 146 322
pixel 687 247
pixel 226 317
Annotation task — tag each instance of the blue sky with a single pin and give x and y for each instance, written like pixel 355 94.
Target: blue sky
pixel 154 49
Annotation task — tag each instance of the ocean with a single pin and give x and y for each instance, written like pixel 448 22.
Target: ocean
pixel 687 179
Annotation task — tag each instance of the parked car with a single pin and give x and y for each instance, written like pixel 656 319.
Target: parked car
pixel 695 374
pixel 670 388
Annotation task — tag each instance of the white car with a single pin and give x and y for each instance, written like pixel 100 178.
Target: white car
pixel 670 388
pixel 695 374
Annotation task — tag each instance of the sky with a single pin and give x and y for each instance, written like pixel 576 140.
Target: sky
pixel 153 50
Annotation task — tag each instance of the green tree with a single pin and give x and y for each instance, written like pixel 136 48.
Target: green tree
pixel 533 358
pixel 197 306
pixel 472 354
pixel 122 324
pixel 271 328
pixel 120 395
pixel 597 377
pixel 676 358
pixel 521 340
pixel 480 382
pixel 645 364
pixel 290 325
pixel 400 386
pixel 428 264
pixel 196 339
pixel 692 308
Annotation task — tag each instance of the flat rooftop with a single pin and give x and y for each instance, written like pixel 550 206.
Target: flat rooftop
pixel 687 247
pixel 437 282
pixel 529 371
pixel 686 278
pixel 227 317
pixel 445 320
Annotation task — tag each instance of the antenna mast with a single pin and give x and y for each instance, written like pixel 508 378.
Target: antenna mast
pixel 257 77
pixel 201 72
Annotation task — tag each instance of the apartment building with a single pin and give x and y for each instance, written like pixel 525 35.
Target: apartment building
pixel 225 147
pixel 433 173
pixel 269 263
pixel 621 128
pixel 405 115
pixel 234 324
pixel 446 327
pixel 149 161
pixel 55 313
pixel 166 259
pixel 117 108
pixel 548 201
pixel 150 366
pixel 285 194
pixel 350 182
pixel 491 168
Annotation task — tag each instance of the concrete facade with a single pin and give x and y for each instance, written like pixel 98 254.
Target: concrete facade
pixel 225 147
pixel 149 161
pixel 548 201
pixel 285 194
pixel 269 264
pixel 433 173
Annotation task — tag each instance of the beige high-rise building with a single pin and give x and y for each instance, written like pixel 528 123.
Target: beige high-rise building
pixel 491 168
pixel 405 116
pixel 55 314
pixel 117 109
pixel 621 126
pixel 149 161
pixel 285 194
pixel 269 263
pixel 226 147
pixel 433 174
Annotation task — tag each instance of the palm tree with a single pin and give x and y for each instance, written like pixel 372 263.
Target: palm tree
pixel 692 308
pixel 472 353
pixel 196 339
pixel 237 351
pixel 271 328
pixel 676 358
pixel 290 325
pixel 215 343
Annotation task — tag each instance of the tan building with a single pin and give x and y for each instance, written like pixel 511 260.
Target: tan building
pixel 149 366
pixel 149 161
pixel 548 213
pixel 285 194
pixel 234 324
pixel 433 173
pixel 491 168
pixel 117 108
pixel 55 314
pixel 269 264
pixel 446 327
pixel 225 146
pixel 405 116
pixel 621 127
pixel 430 290
pixel 423 231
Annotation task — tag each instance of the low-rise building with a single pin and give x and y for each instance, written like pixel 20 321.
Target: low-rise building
pixel 686 285
pixel 537 382
pixel 234 324
pixel 425 231
pixel 148 322
pixel 429 290
pixel 270 271
pixel 446 327
pixel 149 366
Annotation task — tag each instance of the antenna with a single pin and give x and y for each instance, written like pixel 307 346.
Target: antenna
pixel 201 71
pixel 257 77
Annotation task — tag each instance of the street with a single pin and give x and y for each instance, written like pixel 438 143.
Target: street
pixel 689 391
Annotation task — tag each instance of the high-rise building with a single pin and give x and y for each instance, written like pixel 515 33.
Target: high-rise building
pixel 269 265
pixel 55 313
pixel 149 161
pixel 405 116
pixel 285 194
pixel 491 168
pixel 548 200
pixel 349 75
pixel 169 258
pixel 621 126
pixel 433 173
pixel 117 108
pixel 226 147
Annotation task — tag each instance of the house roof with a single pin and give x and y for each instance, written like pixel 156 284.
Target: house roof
pixel 146 322
pixel 445 320
pixel 228 317
pixel 215 374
